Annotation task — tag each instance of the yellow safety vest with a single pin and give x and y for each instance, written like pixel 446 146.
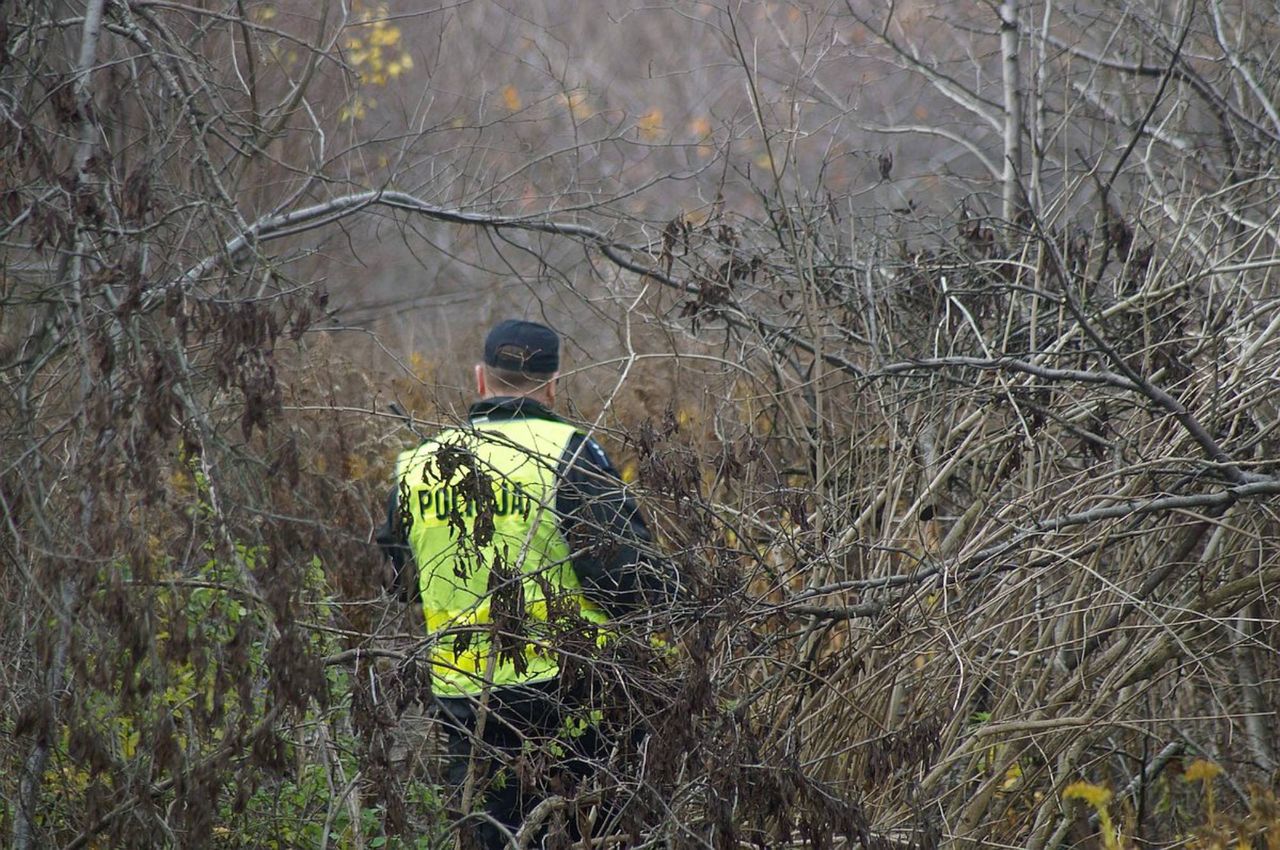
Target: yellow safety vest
pixel 486 541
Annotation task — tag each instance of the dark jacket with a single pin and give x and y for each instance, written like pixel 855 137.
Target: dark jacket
pixel 612 549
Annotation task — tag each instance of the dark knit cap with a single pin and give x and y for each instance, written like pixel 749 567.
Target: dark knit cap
pixel 525 347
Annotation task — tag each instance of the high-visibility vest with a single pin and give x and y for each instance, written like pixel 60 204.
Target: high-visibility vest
pixel 484 535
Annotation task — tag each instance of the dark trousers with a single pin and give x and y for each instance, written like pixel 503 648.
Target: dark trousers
pixel 520 722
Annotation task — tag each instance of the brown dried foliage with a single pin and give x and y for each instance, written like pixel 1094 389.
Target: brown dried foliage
pixel 964 509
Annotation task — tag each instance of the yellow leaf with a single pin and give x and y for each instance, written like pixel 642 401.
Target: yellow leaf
pixel 576 102
pixel 1202 770
pixel 384 35
pixel 129 743
pixel 356 466
pixel 650 124
pixel 700 128
pixel 354 111
pixel 1011 777
pixel 1095 795
pixel 511 97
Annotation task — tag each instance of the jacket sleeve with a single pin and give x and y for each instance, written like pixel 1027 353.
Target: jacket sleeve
pixel 614 555
pixel 392 537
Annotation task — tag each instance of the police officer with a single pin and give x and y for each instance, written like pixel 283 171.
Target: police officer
pixel 514 532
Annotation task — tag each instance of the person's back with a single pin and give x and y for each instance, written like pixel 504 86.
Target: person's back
pixel 482 502
pixel 511 530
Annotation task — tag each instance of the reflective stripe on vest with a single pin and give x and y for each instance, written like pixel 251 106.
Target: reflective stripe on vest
pixel 486 541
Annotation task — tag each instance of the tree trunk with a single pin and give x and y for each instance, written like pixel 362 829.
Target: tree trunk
pixel 1012 181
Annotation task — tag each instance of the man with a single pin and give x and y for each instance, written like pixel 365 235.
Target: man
pixel 518 538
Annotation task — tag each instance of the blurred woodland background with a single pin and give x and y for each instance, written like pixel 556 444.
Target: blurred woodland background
pixel 939 341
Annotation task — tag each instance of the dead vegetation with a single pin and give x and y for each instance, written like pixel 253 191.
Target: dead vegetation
pixel 975 512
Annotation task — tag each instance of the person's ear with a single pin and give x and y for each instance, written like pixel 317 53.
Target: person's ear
pixel 480 384
pixel 551 389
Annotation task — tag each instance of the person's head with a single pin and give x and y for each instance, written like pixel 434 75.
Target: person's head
pixel 520 359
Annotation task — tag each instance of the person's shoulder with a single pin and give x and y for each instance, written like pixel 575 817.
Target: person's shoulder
pixel 445 436
pixel 432 444
pixel 585 453
pixel 594 450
